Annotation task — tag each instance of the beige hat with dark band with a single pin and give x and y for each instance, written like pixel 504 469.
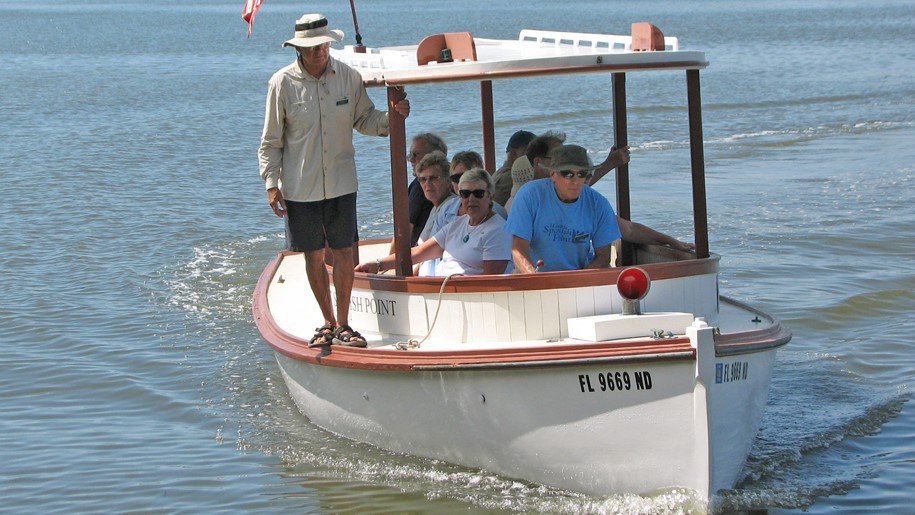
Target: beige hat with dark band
pixel 311 30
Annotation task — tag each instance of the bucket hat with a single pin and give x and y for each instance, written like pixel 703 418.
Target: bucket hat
pixel 311 30
pixel 570 157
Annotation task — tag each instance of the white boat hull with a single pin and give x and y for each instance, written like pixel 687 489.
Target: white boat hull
pixel 598 428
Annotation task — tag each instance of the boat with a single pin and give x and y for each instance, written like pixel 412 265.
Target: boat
pixel 634 379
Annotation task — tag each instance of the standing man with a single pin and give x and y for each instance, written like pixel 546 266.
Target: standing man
pixel 306 160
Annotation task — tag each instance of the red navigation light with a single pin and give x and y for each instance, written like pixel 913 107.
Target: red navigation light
pixel 633 283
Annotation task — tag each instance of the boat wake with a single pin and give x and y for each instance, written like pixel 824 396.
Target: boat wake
pixel 437 480
pixel 803 450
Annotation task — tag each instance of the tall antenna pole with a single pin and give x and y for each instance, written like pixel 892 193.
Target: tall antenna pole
pixel 359 46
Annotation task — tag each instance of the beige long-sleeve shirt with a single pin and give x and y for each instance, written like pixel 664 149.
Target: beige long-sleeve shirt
pixel 307 145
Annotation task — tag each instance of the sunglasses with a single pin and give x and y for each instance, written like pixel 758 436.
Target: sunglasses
pixel 568 174
pixel 456 178
pixel 475 193
pixel 424 180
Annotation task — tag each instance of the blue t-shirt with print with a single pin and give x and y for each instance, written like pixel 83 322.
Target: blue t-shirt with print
pixel 562 235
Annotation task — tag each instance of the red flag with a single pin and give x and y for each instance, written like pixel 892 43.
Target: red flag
pixel 249 11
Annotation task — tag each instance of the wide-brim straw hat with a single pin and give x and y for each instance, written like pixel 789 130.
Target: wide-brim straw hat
pixel 311 30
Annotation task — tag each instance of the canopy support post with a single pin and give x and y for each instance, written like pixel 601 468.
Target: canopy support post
pixel 403 262
pixel 489 138
pixel 620 140
pixel 697 160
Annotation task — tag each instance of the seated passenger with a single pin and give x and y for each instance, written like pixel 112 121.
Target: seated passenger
pixel 419 209
pixel 535 165
pixel 561 223
pixel 460 163
pixel 532 165
pixel 471 244
pixel 464 161
pixel 433 177
pixel 637 233
pixel 517 147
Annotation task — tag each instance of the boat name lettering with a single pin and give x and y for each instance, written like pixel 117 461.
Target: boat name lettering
pixel 615 382
pixel 372 305
pixel 730 372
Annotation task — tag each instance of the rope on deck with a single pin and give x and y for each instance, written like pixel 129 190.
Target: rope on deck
pixel 413 344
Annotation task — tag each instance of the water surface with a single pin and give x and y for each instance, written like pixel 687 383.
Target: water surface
pixel 134 226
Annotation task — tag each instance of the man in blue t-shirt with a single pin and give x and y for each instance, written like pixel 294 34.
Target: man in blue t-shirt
pixel 560 223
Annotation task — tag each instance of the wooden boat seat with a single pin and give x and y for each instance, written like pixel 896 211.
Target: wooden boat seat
pixel 459 44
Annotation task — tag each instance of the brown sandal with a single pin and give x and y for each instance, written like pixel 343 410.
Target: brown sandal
pixel 345 335
pixel 323 336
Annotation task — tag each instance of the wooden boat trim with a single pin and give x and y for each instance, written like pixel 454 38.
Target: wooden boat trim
pixel 522 282
pixel 614 360
pixel 773 336
pixel 560 355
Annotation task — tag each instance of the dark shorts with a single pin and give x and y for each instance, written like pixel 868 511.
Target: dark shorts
pixel 311 225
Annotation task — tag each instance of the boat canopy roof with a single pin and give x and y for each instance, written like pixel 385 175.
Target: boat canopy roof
pixel 460 56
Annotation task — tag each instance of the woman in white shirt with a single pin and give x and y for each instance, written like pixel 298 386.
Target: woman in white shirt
pixel 471 244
